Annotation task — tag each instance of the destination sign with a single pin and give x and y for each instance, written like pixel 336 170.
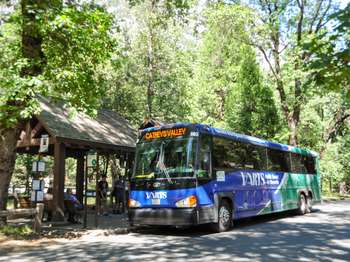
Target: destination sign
pixel 174 132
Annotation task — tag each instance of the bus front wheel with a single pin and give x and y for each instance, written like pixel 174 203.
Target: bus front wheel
pixel 224 218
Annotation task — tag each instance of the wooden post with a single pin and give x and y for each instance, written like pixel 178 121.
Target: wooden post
pixel 86 188
pixel 98 200
pixel 79 179
pixel 38 217
pixel 15 197
pixel 58 181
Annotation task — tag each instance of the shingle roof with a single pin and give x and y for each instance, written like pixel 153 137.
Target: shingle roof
pixel 108 127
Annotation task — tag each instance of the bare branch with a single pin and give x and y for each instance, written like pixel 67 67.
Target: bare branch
pixel 300 3
pixel 313 19
pixel 332 131
pixel 283 48
pixel 320 23
pixel 267 60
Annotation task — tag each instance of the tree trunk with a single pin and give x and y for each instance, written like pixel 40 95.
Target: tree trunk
pixel 31 38
pixel 8 143
pixel 293 129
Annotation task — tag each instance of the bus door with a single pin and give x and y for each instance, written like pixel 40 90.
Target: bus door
pixel 204 170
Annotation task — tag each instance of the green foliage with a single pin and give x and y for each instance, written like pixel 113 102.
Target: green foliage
pixel 250 105
pixel 19 232
pixel 75 41
pixel 13 87
pixel 151 76
pixel 331 53
pixel 241 65
pixel 219 59
pixel 331 166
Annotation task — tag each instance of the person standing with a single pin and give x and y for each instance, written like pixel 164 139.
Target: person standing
pixel 102 192
pixel 119 194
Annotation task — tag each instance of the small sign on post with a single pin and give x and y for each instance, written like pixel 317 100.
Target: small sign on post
pixel 38 166
pixel 44 144
pixel 37 194
pixel 92 160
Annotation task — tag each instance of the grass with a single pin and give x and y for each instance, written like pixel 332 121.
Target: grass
pixel 17 232
pixel 10 203
pixel 334 195
pixel 92 201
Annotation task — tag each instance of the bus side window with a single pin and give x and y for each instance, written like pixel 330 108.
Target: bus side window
pixel 228 155
pixel 255 158
pixel 303 164
pixel 278 160
pixel 309 163
pixel 204 157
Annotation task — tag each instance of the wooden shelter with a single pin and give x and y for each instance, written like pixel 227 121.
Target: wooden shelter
pixel 73 135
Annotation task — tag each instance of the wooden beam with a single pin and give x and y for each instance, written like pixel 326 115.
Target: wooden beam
pixel 36 130
pixel 28 132
pixel 32 142
pixel 98 146
pixel 18 212
pixel 58 181
pixel 28 142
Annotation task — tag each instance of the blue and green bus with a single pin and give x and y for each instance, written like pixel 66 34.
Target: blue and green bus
pixel 189 174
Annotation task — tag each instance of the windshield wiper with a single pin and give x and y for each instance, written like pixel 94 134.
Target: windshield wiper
pixel 161 165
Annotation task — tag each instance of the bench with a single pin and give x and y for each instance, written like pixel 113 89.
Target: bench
pixel 72 211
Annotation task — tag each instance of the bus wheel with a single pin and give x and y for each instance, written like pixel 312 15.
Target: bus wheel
pixel 309 204
pixel 224 218
pixel 302 205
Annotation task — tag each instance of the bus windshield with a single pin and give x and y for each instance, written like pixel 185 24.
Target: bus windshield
pixel 165 158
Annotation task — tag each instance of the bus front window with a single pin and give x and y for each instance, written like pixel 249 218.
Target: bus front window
pixel 165 158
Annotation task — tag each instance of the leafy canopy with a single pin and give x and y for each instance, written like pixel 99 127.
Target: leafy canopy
pixel 76 40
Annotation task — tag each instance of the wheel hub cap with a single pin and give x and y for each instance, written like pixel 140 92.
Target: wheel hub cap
pixel 224 215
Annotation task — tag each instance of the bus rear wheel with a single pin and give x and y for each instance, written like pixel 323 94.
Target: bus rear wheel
pixel 308 204
pixel 302 205
pixel 224 218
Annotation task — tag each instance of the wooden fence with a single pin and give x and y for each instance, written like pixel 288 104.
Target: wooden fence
pixel 36 213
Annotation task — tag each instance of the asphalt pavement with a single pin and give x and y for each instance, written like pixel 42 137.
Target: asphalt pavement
pixel 323 235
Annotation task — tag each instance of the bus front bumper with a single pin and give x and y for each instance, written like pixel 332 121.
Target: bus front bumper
pixel 170 216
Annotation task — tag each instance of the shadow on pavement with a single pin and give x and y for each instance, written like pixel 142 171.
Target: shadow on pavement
pixel 201 230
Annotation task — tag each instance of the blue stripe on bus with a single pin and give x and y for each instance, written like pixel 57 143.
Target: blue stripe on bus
pixel 249 199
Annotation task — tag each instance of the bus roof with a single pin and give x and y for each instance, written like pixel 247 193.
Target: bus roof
pixel 203 128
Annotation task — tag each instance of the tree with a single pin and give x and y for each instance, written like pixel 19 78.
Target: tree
pixel 151 78
pixel 250 105
pixel 279 34
pixel 55 55
pixel 219 59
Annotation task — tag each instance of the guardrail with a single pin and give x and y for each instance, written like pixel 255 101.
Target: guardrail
pixel 37 213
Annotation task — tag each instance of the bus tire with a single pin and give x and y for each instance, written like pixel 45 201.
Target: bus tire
pixel 308 204
pixel 224 218
pixel 302 205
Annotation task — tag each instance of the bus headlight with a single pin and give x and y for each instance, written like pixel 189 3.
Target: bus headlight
pixel 133 203
pixel 190 201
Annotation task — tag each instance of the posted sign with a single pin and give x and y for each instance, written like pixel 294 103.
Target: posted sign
pixel 92 160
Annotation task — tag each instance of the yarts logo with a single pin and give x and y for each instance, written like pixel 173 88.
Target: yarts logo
pixel 156 195
pixel 253 179
pixel 260 179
